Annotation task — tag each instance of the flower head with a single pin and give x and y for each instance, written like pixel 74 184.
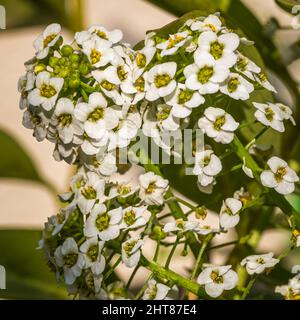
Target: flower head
pixel 259 263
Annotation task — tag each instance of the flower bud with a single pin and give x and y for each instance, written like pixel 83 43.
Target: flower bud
pixel 66 50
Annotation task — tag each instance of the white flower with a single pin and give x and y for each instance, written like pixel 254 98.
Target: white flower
pixel 269 115
pixel 98 51
pixel 217 279
pixel 134 217
pixel 25 84
pixel 247 67
pixel 229 214
pixel 155 291
pixel 207 166
pixel 152 188
pixel 109 82
pixel 61 219
pixel 183 101
pixel 221 47
pixel 126 130
pixel 92 251
pixel 262 79
pixel 35 119
pixel 286 112
pixel 46 91
pixel 102 163
pixel 68 257
pixel 90 192
pixel 97 117
pixel 100 32
pixel 181 225
pixel 141 59
pixel 160 79
pixel 46 40
pixel 281 177
pixel 212 22
pixel 259 263
pixel 248 172
pixel 63 119
pixel 205 74
pixel 174 42
pixel 291 291
pixel 131 252
pixel 103 223
pixel 237 87
pixel 218 124
pixel 123 190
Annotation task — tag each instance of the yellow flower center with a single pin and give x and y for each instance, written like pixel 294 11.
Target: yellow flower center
pixel 233 84
pixel 48 39
pixel 102 221
pixel 65 119
pixel 216 277
pixel 140 60
pixel 216 49
pixel 205 74
pixel 162 80
pixel 219 122
pixel 96 114
pixel 95 56
pixel 46 90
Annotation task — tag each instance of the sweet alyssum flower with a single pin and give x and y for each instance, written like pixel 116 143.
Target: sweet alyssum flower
pixel 131 252
pixel 70 259
pixel 102 223
pixel 134 217
pixel 152 188
pixel 64 120
pixel 161 80
pixel 46 40
pixel 92 252
pixel 103 163
pixel 221 47
pixel 286 112
pixel 210 23
pixel 207 166
pixel 25 84
pixel 259 263
pixel 262 79
pixel 90 192
pixel 237 87
pixel 46 92
pixel 183 101
pixel 270 115
pixel 141 59
pixel 218 124
pixel 174 42
pixel 247 67
pixel 217 279
pixel 182 226
pixel 280 176
pixel 100 32
pixel 156 291
pixel 229 214
pixel 248 172
pixel 291 291
pixel 205 75
pixel 97 117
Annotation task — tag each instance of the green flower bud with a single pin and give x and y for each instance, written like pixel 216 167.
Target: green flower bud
pixel 157 233
pixel 74 57
pixel 84 68
pixel 53 61
pixel 66 50
pixel 74 82
pixel 62 61
pixel 39 68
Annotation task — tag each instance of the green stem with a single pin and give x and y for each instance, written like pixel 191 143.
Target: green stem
pixel 171 253
pixel 248 288
pixel 112 269
pixel 87 88
pixel 186 203
pixel 132 277
pixel 156 251
pixel 223 245
pixel 200 255
pixel 234 168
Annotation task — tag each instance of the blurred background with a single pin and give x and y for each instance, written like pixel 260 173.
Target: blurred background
pixel 30 177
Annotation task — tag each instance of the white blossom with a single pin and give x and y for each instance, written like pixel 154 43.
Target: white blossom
pixel 259 263
pixel 46 40
pixel 218 124
pixel 217 279
pixel 161 80
pixel 247 67
pixel 229 214
pixel 173 43
pixel 131 252
pixel 280 176
pixel 134 217
pixel 210 23
pixel 70 259
pixel 46 92
pixel 262 79
pixel 102 223
pixel 152 188
pixel 237 87
pixel 155 291
pixel 25 85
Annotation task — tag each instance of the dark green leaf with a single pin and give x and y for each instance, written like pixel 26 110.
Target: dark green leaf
pixel 27 275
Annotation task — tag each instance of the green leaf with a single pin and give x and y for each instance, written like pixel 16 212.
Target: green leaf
pixel 27 275
pixel 14 161
pixel 287 5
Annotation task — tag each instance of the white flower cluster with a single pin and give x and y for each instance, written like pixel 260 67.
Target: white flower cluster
pixel 75 240
pixel 291 291
pixel 92 96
